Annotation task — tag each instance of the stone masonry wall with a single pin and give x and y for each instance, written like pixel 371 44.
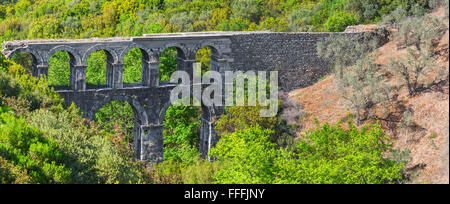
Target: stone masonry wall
pixel 292 54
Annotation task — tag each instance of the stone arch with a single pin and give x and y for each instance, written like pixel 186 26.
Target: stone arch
pixel 145 52
pixel 162 112
pixel 214 47
pixel 75 57
pixel 218 61
pixel 140 118
pixel 138 109
pixel 147 57
pixel 182 58
pixel 113 73
pixel 208 136
pixel 36 56
pixel 109 52
pixel 181 49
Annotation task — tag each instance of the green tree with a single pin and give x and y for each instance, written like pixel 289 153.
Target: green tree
pixel 26 148
pixel 181 133
pixel 247 156
pixel 45 27
pixel 340 20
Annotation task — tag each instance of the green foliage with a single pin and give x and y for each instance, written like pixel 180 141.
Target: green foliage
pixel 47 27
pixel 132 69
pixel 59 69
pixel 168 63
pixel 204 57
pixel 10 174
pixel 247 156
pixel 26 148
pixel 200 172
pixel 166 172
pixel 181 133
pixel 86 18
pixel 246 9
pixel 243 117
pixel 66 147
pixel 117 117
pixel 301 20
pixel 15 82
pixel 90 152
pixel 96 70
pixel 356 156
pixel 329 154
pixel 340 20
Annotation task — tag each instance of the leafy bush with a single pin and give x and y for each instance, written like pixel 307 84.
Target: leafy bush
pixel 200 172
pixel 246 9
pixel 357 156
pixel 10 174
pixel 59 69
pixel 91 154
pixel 247 157
pixel 15 82
pixel 181 133
pixel 340 20
pixel 26 148
pixel 329 154
pixel 301 20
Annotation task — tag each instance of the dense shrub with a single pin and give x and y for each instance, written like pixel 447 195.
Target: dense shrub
pixel 91 154
pixel 10 174
pixel 28 149
pixel 357 156
pixel 181 133
pixel 340 20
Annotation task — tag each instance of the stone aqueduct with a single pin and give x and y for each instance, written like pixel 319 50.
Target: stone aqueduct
pixel 292 54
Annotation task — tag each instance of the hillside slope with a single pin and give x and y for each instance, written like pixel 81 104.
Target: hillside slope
pixel 428 139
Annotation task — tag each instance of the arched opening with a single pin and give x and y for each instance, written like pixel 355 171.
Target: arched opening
pixel 209 57
pixel 182 130
pixel 60 66
pixel 203 56
pixel 26 60
pixel 171 60
pixel 99 63
pixel 118 119
pixel 135 61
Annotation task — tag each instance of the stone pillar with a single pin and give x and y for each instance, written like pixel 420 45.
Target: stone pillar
pixel 39 71
pixel 78 77
pixel 137 140
pixel 150 73
pixel 114 76
pixel 152 143
pixel 208 134
pixel 219 64
pixel 186 65
pixel 208 137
